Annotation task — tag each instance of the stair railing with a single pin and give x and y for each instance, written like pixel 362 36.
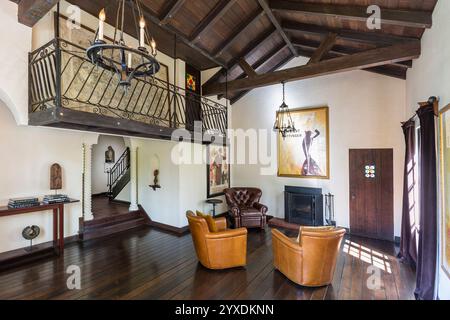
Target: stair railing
pixel 118 170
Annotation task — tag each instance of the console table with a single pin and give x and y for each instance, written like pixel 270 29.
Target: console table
pixel 58 225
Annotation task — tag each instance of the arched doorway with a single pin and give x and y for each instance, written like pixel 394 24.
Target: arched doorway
pixel 110 177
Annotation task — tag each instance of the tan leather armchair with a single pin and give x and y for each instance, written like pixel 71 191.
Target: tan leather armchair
pixel 311 261
pixel 220 250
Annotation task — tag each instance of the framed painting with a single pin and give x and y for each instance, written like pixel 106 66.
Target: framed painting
pixel 444 127
pixel 218 170
pixel 305 153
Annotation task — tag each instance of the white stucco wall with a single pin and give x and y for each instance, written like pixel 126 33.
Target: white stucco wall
pixel 16 44
pixel 430 76
pixel 365 112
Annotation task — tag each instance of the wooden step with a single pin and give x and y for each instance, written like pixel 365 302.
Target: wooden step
pixel 99 230
pixel 113 219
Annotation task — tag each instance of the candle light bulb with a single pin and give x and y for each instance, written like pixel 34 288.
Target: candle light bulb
pixel 130 60
pixel 102 15
pixel 142 23
pixel 101 24
pixel 142 33
pixel 153 45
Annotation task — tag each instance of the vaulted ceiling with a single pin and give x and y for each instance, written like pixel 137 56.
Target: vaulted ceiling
pixel 251 38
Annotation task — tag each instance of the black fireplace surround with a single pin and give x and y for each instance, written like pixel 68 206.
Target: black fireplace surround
pixel 303 206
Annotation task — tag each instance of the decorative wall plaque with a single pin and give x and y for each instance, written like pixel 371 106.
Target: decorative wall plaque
pixel 55 177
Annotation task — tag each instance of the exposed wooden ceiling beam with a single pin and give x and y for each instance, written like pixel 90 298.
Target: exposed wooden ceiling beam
pixel 31 11
pixel 277 25
pixel 241 94
pixel 339 50
pixel 171 11
pixel 249 71
pixel 212 17
pixel 391 70
pixel 398 17
pixel 253 45
pixel 241 29
pixel 324 48
pixel 153 18
pixel 363 60
pixel 358 36
pixel 258 64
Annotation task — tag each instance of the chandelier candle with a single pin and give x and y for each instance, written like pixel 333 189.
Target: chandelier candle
pixel 142 36
pixel 101 24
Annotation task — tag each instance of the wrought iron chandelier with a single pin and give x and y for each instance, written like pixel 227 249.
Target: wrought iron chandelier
pixel 127 62
pixel 283 123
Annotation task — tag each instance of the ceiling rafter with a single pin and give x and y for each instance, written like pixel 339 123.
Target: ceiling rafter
pixel 241 29
pixel 339 50
pixel 363 60
pixel 277 25
pixel 358 36
pixel 249 71
pixel 390 70
pixel 397 17
pixel 212 17
pixel 260 63
pixel 326 45
pixel 253 45
pixel 31 11
pixel 281 64
pixel 171 11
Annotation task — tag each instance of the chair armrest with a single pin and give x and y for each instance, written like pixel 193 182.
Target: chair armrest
pixel 226 234
pixel 260 207
pixel 291 244
pixel 221 223
pixel 235 211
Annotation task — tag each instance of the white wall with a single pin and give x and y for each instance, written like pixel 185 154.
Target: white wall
pixel 27 154
pixel 99 177
pixel 430 76
pixel 15 39
pixel 365 112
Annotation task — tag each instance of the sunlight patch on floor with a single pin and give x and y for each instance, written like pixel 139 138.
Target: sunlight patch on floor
pixel 367 255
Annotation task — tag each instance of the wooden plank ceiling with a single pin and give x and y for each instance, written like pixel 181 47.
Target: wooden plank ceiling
pixel 251 38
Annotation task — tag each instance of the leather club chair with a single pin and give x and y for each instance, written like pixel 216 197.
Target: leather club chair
pixel 220 250
pixel 244 207
pixel 311 261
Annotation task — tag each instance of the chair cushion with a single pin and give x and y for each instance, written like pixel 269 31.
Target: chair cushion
pixel 249 212
pixel 209 220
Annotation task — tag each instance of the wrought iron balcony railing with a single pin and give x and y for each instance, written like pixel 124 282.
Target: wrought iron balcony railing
pixel 62 78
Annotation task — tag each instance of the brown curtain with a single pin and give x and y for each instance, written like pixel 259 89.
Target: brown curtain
pixel 408 247
pixel 427 253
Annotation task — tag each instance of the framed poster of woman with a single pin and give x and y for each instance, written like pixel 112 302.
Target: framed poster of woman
pixel 218 170
pixel 305 153
pixel 444 127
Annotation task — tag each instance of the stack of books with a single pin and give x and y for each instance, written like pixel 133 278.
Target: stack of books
pixel 56 198
pixel 23 203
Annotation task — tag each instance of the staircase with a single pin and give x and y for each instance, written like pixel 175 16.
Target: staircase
pixel 119 175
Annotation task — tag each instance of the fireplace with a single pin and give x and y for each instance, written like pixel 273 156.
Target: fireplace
pixel 303 206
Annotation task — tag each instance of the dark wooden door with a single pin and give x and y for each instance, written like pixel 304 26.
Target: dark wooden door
pixel 371 193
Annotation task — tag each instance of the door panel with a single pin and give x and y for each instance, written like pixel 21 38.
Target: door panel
pixel 371 193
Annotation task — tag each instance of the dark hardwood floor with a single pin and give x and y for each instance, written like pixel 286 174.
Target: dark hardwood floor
pixel 149 264
pixel 102 207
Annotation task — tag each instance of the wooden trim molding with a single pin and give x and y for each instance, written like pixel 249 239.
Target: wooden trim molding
pixel 171 229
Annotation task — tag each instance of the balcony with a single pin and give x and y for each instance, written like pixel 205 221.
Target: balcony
pixel 67 91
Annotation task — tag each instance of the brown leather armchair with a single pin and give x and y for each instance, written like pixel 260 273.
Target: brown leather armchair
pixel 311 261
pixel 244 207
pixel 220 250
